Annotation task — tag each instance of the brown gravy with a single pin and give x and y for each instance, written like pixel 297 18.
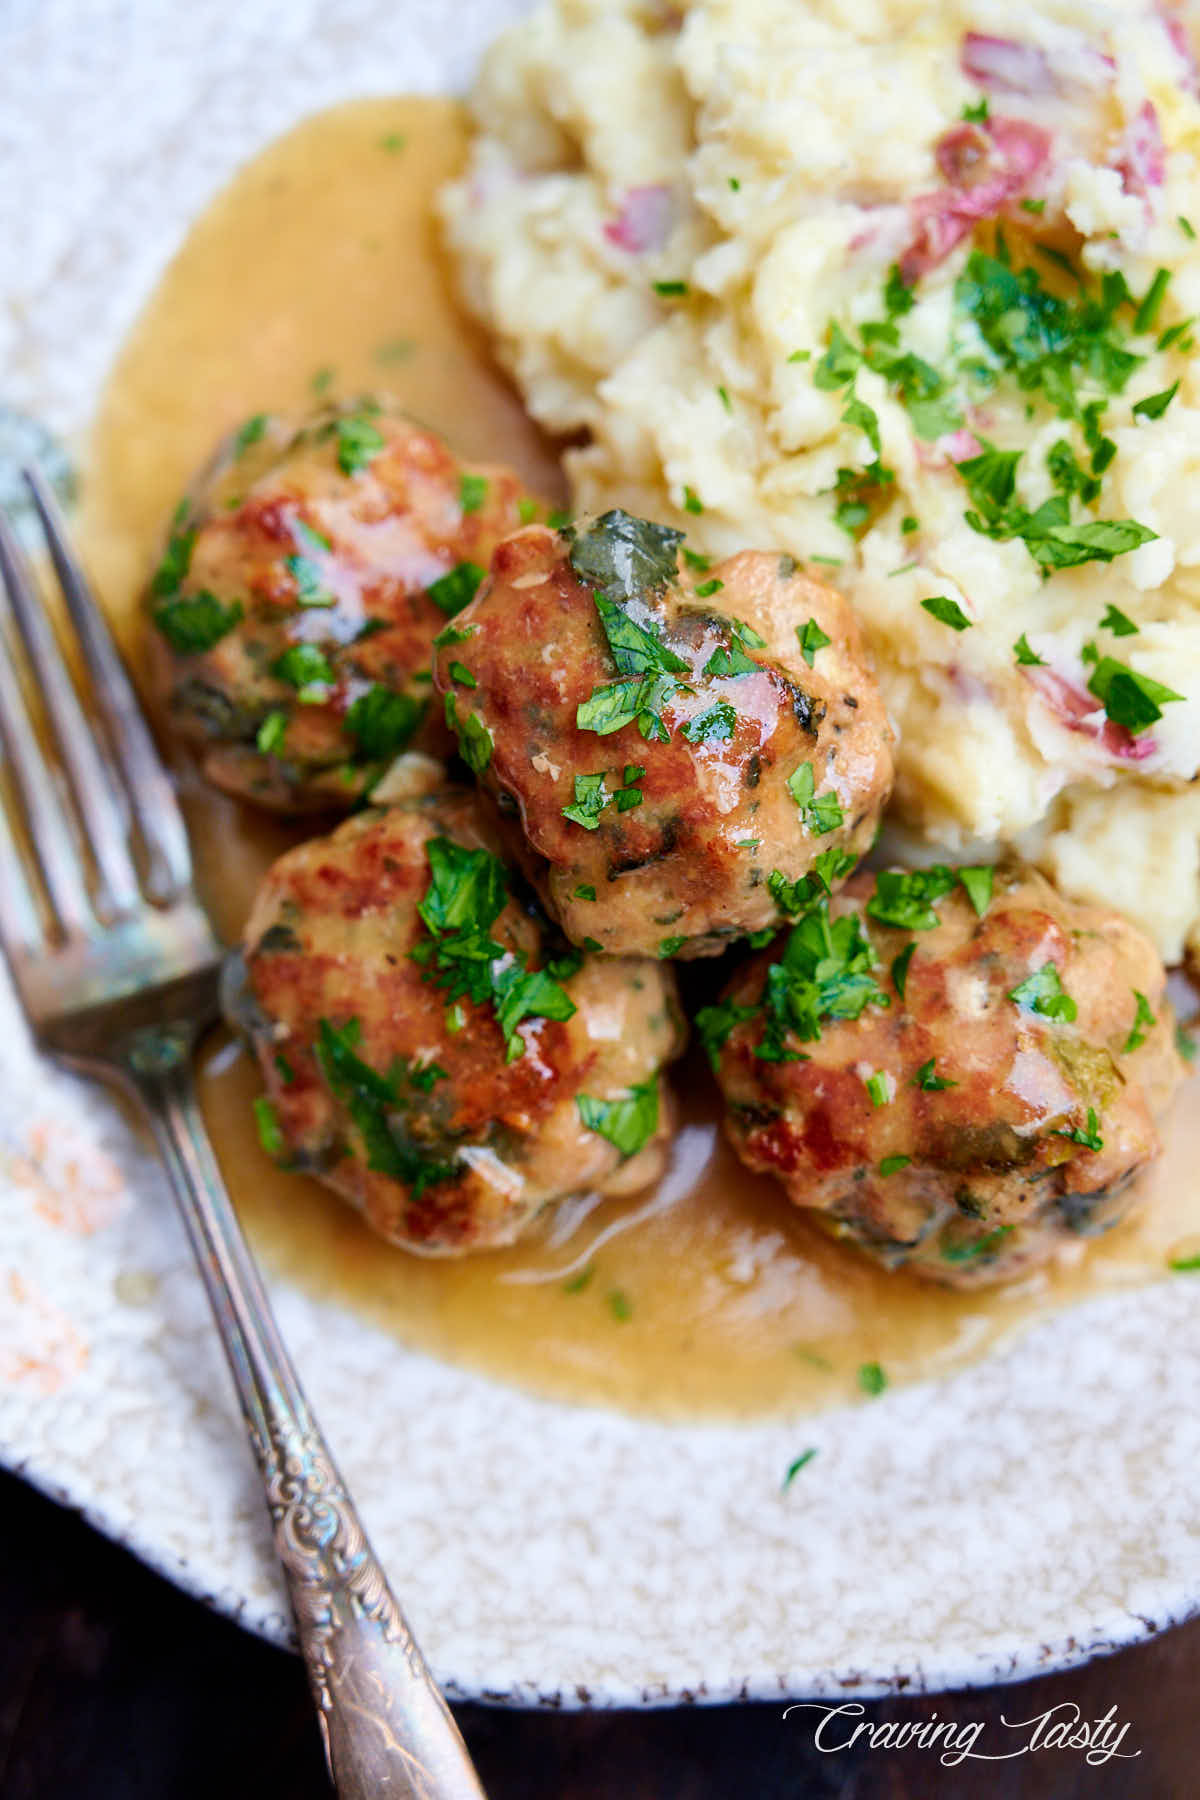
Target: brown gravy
pixel 317 270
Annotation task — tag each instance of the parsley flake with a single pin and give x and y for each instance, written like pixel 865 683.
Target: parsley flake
pixel 358 443
pixel 627 1124
pixel 871 1378
pixel 812 639
pixel 1088 1136
pixel 1028 658
pixel 794 1467
pixel 193 623
pixel 820 813
pixel 978 883
pixel 1129 698
pixel 382 722
pixel 1143 1021
pixel 928 1081
pixel 457 588
pixel 271 733
pixel 472 492
pixel 947 612
pixel 1115 620
pixel 1042 992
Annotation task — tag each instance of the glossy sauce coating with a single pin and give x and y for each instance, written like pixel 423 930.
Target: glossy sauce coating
pixel 292 615
pixel 698 813
pixel 952 1127
pixel 409 1101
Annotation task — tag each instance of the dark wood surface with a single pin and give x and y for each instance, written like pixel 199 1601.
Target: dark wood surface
pixel 115 1686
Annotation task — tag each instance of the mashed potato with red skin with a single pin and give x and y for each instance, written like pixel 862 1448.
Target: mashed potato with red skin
pixel 667 211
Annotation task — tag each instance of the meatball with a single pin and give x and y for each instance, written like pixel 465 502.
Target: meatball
pixel 431 1050
pixel 301 588
pixel 682 744
pixel 959 1071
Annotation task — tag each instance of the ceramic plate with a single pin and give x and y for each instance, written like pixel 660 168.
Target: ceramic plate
pixel 1027 1513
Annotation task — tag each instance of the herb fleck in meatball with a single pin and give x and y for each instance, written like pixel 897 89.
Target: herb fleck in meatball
pixel 302 585
pixel 430 1050
pixel 960 1070
pixel 682 745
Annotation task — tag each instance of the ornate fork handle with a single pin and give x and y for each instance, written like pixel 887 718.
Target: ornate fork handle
pixel 388 1733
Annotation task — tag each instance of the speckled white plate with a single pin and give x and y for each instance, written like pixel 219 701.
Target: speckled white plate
pixel 1025 1514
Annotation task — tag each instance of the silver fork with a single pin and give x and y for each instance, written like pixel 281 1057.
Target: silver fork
pixel 117 971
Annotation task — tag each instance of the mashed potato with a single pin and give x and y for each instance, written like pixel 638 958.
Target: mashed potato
pixel 804 274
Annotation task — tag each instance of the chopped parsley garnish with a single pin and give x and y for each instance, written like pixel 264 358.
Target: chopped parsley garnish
pixel 307 669
pixel 892 1165
pixel 871 1378
pixel 358 443
pixel 723 397
pixel 627 1124
pixel 1130 699
pixel 714 1024
pixel 978 883
pixel 271 732
pixel 621 559
pixel 794 1467
pixel 1151 305
pixel 472 492
pixel 879 1088
pixel 1184 1265
pixel 592 796
pixel 825 972
pixel 947 612
pixel 620 1305
pixel 475 741
pixel 908 524
pixel 1048 534
pixel 670 290
pixel 900 968
pixel 467 892
pixel 193 623
pixel 453 634
pixel 249 433
pixel 1186 226
pixel 1155 405
pixel 904 898
pixel 800 356
pixel 1143 1021
pixel 812 639
pixel 377 1107
pixel 457 588
pixel 1042 992
pixel 270 1132
pixel 304 568
pixel 670 946
pixel 692 502
pixel 322 380
pixel 286 1072
pixel 715 725
pixel 1088 1136
pixel 977 114
pixel 585 891
pixel 1028 658
pixel 820 813
pixel 695 560
pixel 708 588
pixel 1115 620
pixel 382 722
pixel 526 510
pixel 1185 1043
pixel 576 1283
pixel 929 1082
pixel 460 673
pixel 176 558
pixel 793 897
pixel 969 1250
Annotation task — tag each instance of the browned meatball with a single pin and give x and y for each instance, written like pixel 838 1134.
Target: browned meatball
pixel 961 1071
pixel 680 744
pixel 429 1051
pixel 301 588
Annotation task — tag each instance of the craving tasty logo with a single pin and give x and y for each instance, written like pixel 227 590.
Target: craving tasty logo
pixel 1060 1727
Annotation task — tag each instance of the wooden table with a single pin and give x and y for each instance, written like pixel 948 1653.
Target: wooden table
pixel 114 1686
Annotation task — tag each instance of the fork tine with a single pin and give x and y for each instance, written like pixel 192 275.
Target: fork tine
pixel 52 841
pixel 146 782
pixel 95 798
pixel 20 928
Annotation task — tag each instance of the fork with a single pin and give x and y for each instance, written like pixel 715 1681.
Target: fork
pixel 117 968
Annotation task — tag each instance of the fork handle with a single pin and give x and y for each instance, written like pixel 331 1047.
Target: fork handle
pixel 386 1728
